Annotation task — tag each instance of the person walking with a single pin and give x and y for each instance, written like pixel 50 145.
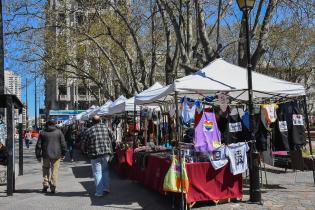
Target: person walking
pixel 51 146
pixel 70 139
pixel 98 143
pixel 28 137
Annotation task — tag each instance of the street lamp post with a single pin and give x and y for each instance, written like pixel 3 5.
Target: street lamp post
pixel 255 194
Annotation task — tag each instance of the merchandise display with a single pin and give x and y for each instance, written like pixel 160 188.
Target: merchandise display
pixel 201 122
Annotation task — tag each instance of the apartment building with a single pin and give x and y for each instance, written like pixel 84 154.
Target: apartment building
pixel 64 91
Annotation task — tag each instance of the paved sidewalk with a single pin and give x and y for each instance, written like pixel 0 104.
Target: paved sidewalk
pixel 285 191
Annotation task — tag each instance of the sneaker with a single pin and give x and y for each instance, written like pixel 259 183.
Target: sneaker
pixel 98 195
pixel 106 191
pixel 53 189
pixel 44 190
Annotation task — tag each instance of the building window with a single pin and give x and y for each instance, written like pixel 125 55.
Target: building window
pixel 62 90
pixel 80 18
pixel 94 89
pixel 81 90
pixel 62 18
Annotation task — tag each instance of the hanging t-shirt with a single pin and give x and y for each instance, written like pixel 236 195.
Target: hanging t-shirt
pixel 280 138
pixel 199 114
pixel 245 119
pixel 223 101
pixel 207 134
pixel 237 154
pixel 218 157
pixel 261 133
pixel 188 111
pixel 268 114
pixel 235 131
pixel 295 124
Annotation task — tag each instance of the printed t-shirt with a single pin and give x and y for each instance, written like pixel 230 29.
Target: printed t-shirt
pixel 237 154
pixel 218 157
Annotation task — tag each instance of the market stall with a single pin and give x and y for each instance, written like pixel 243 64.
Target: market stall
pixel 208 122
pixel 129 113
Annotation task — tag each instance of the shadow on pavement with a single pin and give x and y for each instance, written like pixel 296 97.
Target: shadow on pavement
pixel 62 194
pixel 82 171
pixel 124 194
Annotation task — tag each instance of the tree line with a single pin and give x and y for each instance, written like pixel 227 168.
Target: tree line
pixel 125 46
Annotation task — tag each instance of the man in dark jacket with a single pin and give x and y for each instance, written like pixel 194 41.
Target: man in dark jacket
pixel 98 143
pixel 51 146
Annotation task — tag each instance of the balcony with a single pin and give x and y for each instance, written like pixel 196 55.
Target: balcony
pixel 83 97
pixel 86 98
pixel 64 98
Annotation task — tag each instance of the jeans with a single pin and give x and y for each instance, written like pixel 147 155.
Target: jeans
pixel 27 143
pixel 70 149
pixel 101 173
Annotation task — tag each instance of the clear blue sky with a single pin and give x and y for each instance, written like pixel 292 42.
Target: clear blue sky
pixel 14 49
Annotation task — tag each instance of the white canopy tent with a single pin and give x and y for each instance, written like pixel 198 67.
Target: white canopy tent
pixel 113 107
pixel 85 116
pixel 221 76
pixel 78 117
pixel 129 104
pixel 126 106
pixel 103 110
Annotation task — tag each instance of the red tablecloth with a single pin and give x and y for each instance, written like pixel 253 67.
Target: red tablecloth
pixel 205 183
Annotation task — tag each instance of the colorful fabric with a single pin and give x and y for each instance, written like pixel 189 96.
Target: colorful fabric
pixel 268 114
pixel 207 134
pixel 175 180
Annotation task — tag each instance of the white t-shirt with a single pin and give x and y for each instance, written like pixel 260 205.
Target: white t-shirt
pixel 237 154
pixel 218 157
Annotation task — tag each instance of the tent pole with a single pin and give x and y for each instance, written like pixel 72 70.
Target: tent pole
pixel 179 151
pixel 135 125
pixel 309 135
pixel 177 118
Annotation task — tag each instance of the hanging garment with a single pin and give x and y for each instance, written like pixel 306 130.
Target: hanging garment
pixel 176 179
pixel 237 154
pixel 261 133
pixel 268 114
pixel 199 107
pixel 218 157
pixel 188 109
pixel 235 130
pixel 198 115
pixel 245 119
pixel 222 121
pixel 280 138
pixel 295 124
pixel 119 132
pixel 267 155
pixel 223 101
pixel 207 134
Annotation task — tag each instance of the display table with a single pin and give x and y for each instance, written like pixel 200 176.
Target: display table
pixel 205 183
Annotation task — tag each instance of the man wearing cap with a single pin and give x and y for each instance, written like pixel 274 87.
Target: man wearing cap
pixel 98 143
pixel 51 146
